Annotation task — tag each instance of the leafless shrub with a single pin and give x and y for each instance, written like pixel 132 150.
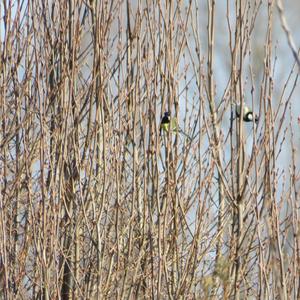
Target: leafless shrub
pixel 95 203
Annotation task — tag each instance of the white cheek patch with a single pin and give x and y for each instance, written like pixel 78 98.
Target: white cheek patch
pixel 250 117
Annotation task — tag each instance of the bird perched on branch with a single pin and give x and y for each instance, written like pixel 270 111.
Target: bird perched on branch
pixel 248 115
pixel 168 123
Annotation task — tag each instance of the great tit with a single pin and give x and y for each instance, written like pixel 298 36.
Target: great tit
pixel 168 123
pixel 248 115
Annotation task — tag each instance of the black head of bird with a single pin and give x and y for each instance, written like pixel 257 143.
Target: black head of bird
pixel 248 115
pixel 167 115
pixel 166 118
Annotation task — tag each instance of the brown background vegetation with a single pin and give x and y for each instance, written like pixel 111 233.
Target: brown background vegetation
pixel 95 204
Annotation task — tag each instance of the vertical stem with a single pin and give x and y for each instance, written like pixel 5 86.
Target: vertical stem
pixel 217 152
